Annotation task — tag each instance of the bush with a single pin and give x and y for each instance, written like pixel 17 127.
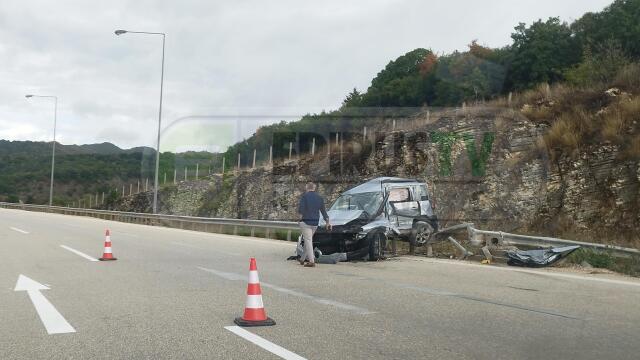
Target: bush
pixel 597 259
pixel 598 67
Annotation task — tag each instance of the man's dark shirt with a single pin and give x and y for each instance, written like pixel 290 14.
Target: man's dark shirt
pixel 310 206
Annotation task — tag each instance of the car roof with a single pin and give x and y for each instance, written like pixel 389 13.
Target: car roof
pixel 375 185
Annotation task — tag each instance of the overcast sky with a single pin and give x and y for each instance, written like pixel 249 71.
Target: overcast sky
pixel 243 57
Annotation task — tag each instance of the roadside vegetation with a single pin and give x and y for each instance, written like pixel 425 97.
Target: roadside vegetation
pixel 605 260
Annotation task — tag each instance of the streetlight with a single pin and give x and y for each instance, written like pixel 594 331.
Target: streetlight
pixel 53 153
pixel 155 185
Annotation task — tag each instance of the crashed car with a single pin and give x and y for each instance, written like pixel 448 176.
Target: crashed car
pixel 364 218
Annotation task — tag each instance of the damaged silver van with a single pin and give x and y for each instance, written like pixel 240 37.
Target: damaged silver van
pixel 368 215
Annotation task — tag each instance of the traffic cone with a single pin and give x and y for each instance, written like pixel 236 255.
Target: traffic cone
pixel 107 255
pixel 254 314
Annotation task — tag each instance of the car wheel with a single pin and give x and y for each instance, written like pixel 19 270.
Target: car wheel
pixel 421 233
pixel 377 243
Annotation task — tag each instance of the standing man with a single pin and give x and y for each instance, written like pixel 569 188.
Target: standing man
pixel 309 208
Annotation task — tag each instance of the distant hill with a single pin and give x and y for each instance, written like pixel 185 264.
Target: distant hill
pixel 25 169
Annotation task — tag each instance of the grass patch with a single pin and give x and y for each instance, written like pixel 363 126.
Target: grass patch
pixel 606 260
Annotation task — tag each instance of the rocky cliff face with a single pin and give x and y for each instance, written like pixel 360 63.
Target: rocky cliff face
pixel 484 166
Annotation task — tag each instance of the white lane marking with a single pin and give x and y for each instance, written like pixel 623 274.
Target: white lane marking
pixel 548 273
pixel 79 253
pixel 264 343
pixel 199 248
pixel 18 230
pixel 52 320
pixel 237 277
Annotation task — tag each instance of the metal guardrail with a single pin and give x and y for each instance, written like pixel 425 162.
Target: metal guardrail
pixel 476 237
pixel 175 221
pixel 479 237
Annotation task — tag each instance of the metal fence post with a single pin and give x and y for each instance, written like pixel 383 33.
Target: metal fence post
pixel 185 173
pixel 253 165
pixel 223 165
pixel 197 170
pixel 313 146
pixel 175 176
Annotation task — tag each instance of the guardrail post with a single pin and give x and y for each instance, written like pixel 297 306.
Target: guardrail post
pixel 313 146
pixel 185 173
pixel 235 229
pixel 271 155
pixel 197 170
pixel 267 233
pixel 253 231
pixel 288 235
pixel 175 176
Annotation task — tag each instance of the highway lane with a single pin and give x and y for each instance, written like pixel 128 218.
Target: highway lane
pixel 172 292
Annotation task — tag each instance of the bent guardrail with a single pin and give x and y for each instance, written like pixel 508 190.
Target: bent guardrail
pixel 477 237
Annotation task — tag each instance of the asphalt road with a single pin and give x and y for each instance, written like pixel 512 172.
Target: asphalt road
pixel 172 293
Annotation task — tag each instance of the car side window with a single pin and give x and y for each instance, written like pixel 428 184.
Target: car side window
pixel 422 193
pixel 399 195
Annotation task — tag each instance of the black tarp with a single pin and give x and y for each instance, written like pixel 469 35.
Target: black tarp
pixel 538 258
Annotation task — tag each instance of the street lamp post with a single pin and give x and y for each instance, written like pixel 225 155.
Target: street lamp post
pixel 53 152
pixel 155 182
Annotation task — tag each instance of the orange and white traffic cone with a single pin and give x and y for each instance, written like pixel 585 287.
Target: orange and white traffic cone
pixel 254 314
pixel 107 255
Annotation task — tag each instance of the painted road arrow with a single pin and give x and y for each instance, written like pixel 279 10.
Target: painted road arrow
pixel 50 317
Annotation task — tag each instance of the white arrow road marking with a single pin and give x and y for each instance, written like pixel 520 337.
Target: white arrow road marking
pixel 79 253
pixel 264 343
pixel 18 230
pixel 50 317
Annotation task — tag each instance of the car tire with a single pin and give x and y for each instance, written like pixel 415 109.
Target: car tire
pixel 421 233
pixel 377 244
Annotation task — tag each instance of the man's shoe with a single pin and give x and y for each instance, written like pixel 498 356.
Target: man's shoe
pixel 310 264
pixel 301 262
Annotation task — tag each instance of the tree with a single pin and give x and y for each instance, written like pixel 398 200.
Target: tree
pixel 542 53
pixel 353 99
pixel 619 21
pixel 599 66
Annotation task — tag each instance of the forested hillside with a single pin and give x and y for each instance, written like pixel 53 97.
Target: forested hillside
pixel 590 53
pixel 25 168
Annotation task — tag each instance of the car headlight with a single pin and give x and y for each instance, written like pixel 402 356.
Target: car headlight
pixel 361 235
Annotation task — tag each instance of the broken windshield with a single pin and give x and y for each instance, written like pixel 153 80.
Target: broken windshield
pixel 369 202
